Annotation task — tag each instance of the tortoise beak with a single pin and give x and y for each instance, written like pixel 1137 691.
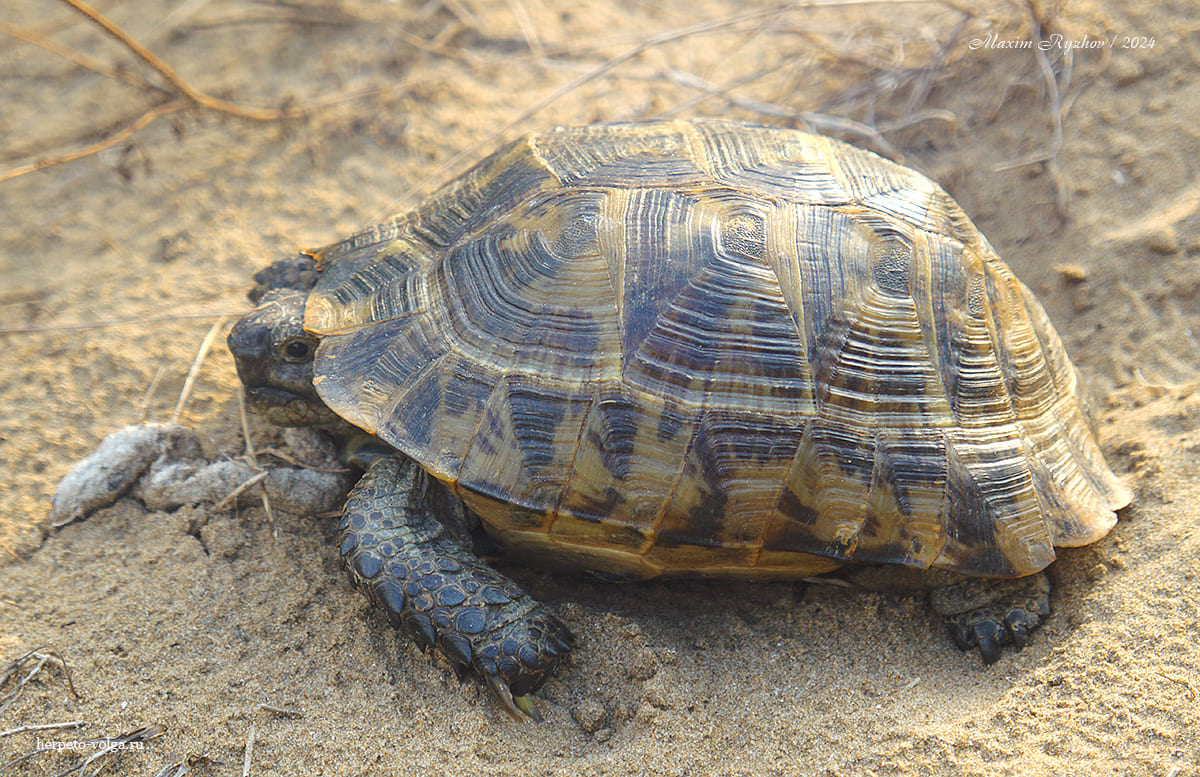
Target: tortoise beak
pixel 250 343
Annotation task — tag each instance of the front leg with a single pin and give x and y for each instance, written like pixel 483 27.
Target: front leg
pixel 397 549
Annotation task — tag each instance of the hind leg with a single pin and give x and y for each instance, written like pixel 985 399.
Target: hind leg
pixel 990 614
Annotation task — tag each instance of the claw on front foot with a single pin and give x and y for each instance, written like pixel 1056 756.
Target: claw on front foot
pixel 515 706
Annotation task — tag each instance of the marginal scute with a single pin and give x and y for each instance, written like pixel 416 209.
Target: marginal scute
pixel 735 466
pixel 624 470
pixel 519 459
pixel 998 529
pixel 703 347
pixel 906 506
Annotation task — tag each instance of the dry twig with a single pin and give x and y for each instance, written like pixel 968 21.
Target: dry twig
pixel 42 727
pixel 15 668
pixel 196 96
pixel 252 455
pixel 143 121
pixel 71 55
pixel 201 355
pixel 190 95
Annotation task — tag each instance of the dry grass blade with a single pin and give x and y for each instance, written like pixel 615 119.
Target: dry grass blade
pixel 208 101
pixel 275 12
pixel 71 55
pixel 16 667
pixel 201 355
pixel 288 458
pixel 21 759
pixel 817 121
pixel 282 712
pixel 527 27
pixel 43 727
pixel 235 493
pixel 144 406
pixel 177 769
pixel 1191 692
pixel 179 764
pixel 1049 155
pixel 252 456
pixel 143 121
pixel 109 323
pixel 249 752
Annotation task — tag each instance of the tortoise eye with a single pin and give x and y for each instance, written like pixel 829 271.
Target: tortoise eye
pixel 298 351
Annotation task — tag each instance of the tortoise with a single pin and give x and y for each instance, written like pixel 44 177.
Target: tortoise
pixel 679 348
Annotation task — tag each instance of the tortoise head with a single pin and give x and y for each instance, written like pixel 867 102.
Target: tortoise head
pixel 274 356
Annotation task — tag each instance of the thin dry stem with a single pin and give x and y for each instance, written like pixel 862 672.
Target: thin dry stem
pixel 1049 155
pixel 201 355
pixel 109 323
pixel 295 462
pixel 196 96
pixel 43 727
pixel 815 120
pixel 249 752
pixel 71 55
pixel 14 669
pixel 252 457
pixel 144 407
pixel 244 487
pixel 528 30
pixel 142 122
pixel 113 745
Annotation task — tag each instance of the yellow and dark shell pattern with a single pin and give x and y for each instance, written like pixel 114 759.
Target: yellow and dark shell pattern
pixel 702 347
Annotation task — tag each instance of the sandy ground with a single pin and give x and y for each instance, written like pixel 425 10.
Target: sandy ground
pixel 115 267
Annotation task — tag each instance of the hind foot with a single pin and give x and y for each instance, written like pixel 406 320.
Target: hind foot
pixel 1014 609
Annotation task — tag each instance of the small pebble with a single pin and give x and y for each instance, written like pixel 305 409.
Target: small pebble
pixel 1071 272
pixel 1162 240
